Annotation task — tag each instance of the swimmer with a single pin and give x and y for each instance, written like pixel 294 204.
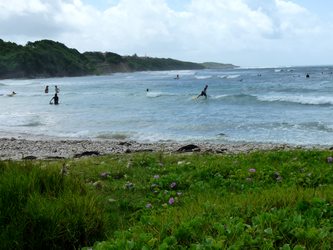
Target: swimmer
pixel 12 94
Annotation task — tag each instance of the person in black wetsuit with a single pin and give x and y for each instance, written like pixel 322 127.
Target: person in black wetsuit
pixel 55 99
pixel 203 92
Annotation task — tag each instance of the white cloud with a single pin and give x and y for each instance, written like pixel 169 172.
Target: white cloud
pixel 244 32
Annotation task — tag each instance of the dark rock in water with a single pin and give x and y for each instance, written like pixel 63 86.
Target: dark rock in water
pixel 124 143
pixel 189 148
pixel 221 134
pixel 86 153
pixel 29 157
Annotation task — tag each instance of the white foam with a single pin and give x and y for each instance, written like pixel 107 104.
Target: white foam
pixel 202 77
pixel 219 96
pixel 153 94
pixel 301 99
pixel 229 76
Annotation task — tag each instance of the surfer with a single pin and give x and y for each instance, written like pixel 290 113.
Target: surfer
pixel 57 90
pixel 55 99
pixel 46 89
pixel 12 94
pixel 177 77
pixel 203 92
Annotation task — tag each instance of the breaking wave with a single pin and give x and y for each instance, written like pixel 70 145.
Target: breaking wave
pixel 299 99
pixel 292 99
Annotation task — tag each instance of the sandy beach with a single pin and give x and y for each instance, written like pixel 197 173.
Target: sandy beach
pixel 41 148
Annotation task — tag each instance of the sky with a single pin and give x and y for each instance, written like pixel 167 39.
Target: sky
pixel 248 33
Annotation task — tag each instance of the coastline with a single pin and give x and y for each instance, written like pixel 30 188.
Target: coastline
pixel 61 148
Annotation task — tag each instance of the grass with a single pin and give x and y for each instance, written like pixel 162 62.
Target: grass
pixel 263 200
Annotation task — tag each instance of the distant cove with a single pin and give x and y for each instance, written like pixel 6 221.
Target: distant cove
pixel 47 58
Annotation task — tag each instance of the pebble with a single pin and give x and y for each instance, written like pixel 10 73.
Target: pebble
pixel 18 149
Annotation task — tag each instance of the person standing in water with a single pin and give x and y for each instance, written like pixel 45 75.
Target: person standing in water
pixel 46 89
pixel 203 92
pixel 55 99
pixel 57 90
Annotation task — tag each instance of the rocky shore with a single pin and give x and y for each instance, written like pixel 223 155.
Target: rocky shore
pixel 18 149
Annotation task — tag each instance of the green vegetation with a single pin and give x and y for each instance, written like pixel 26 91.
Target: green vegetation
pixel 40 59
pixel 47 58
pixel 262 200
pixel 214 65
pixel 136 63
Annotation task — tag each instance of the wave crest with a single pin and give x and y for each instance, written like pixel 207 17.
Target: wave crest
pixel 299 99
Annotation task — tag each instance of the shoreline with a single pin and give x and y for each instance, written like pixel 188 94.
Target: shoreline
pixel 64 148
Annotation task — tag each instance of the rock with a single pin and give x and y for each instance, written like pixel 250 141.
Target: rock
pixel 144 150
pixel 329 159
pixel 54 157
pixel 29 157
pixel 124 143
pixel 86 153
pixel 221 150
pixel 189 148
pixel 98 185
pixel 118 176
pixel 127 151
pixel 104 175
pixel 129 185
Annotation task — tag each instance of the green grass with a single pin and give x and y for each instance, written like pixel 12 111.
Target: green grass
pixel 262 200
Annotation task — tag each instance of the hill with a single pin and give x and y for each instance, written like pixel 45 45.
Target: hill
pixel 41 59
pixel 214 65
pixel 103 63
pixel 47 58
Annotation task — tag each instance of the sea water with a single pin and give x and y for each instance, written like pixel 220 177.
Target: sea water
pixel 267 105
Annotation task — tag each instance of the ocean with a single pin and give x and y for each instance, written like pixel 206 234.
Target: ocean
pixel 259 105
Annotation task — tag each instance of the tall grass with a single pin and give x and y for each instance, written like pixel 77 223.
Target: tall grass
pixel 262 200
pixel 43 209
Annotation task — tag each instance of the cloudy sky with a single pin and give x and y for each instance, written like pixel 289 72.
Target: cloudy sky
pixel 242 32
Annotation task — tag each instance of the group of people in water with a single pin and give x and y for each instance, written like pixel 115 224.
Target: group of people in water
pixel 203 92
pixel 55 98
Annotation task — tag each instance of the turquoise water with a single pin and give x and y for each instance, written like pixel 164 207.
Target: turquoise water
pixel 278 105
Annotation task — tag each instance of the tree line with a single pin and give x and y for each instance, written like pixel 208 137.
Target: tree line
pixel 47 58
